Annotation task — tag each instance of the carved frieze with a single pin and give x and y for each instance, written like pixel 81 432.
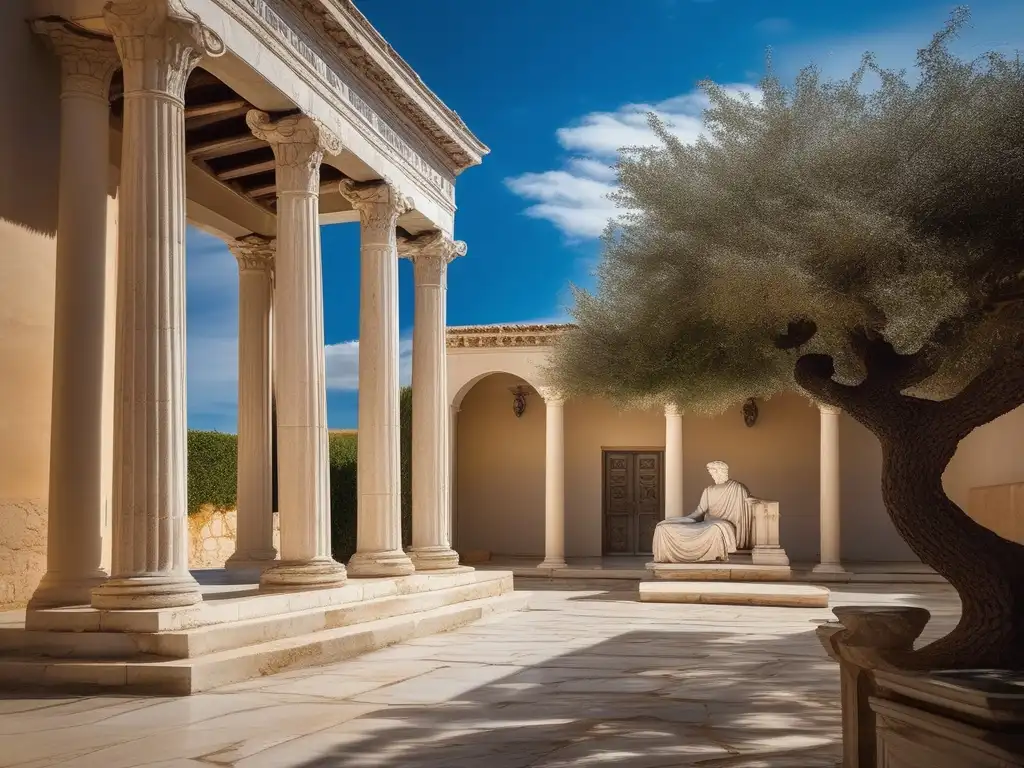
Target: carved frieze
pixel 498 336
pixel 328 35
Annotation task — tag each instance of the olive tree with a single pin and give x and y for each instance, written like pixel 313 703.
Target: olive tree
pixel 863 245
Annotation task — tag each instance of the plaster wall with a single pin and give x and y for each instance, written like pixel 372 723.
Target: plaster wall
pixel 990 455
pixel 28 223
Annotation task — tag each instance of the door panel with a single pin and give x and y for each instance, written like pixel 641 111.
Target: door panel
pixel 632 501
pixel 618 496
pixel 648 499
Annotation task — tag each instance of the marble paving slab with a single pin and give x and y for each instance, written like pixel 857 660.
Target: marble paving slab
pixel 587 678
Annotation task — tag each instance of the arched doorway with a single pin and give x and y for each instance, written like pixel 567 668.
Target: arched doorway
pixel 498 483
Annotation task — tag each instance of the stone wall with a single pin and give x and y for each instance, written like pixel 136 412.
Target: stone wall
pixel 22 551
pixel 211 536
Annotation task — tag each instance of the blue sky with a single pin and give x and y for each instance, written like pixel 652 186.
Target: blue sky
pixel 554 87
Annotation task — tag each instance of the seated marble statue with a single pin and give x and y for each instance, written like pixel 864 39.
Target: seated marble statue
pixel 721 524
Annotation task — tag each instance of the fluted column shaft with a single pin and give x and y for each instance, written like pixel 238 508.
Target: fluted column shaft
pixel 831 560
pixel 554 480
pixel 379 525
pixel 673 462
pixel 453 474
pixel 74 551
pixel 431 470
pixel 158 50
pixel 303 485
pixel 254 538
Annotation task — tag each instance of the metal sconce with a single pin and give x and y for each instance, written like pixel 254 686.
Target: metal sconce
pixel 519 400
pixel 750 412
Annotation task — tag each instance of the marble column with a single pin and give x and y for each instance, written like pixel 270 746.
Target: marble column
pixel 431 420
pixel 673 462
pixel 554 479
pixel 303 470
pixel 453 473
pixel 74 550
pixel 378 481
pixel 254 533
pixel 830 561
pixel 159 45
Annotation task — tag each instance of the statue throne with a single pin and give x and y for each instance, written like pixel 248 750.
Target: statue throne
pixel 764 517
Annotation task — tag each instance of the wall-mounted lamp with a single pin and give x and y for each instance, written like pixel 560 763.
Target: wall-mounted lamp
pixel 750 412
pixel 519 400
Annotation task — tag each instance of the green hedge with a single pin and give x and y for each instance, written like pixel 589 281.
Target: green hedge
pixel 213 467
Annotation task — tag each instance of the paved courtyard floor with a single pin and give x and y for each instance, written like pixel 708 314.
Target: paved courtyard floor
pixel 587 678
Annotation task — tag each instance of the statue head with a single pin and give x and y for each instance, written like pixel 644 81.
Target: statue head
pixel 719 471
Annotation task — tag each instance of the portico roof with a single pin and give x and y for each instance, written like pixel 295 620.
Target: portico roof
pixel 380 64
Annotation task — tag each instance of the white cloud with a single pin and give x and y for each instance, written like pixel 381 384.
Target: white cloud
pixel 343 365
pixel 575 197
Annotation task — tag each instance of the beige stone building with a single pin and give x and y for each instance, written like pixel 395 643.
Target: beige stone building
pixel 539 483
pixel 257 121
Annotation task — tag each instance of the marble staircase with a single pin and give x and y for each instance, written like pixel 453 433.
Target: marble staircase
pixel 240 634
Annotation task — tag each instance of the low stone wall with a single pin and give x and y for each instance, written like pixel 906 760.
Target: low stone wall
pixel 211 536
pixel 22 551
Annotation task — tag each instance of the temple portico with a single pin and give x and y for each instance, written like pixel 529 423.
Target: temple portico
pixel 257 124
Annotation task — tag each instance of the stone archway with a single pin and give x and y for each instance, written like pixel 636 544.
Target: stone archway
pixel 498 477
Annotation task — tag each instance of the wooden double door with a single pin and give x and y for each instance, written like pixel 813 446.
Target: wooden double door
pixel 633 485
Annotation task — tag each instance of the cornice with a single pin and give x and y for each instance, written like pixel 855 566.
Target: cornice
pixel 505 336
pixel 370 55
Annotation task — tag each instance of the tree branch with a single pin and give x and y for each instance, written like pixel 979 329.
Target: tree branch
pixel 996 390
pixel 814 373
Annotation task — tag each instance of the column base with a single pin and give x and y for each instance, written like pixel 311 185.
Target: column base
pixel 58 590
pixel 300 575
pixel 830 572
pixel 147 592
pixel 434 558
pixel 368 565
pixel 553 563
pixel 251 561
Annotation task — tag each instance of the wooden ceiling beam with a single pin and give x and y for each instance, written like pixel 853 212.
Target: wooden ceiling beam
pixel 246 170
pixel 193 123
pixel 265 191
pixel 229 145
pixel 216 108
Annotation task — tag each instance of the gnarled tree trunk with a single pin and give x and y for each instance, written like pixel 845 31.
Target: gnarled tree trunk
pixel 919 438
pixel 986 570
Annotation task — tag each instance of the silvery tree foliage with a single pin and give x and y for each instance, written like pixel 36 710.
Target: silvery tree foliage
pixel 861 241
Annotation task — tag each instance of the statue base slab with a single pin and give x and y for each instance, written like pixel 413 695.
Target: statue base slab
pixel 732 593
pixel 740 567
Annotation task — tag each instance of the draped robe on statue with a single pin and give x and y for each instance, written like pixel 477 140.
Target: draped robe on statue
pixel 721 525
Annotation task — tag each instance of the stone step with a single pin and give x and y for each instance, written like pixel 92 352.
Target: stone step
pixel 212 638
pixel 246 602
pixel 181 677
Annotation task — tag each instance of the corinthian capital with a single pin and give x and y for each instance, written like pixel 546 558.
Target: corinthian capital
pixel 87 61
pixel 378 202
pixel 434 244
pixel 431 252
pixel 299 143
pixel 160 42
pixel 254 252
